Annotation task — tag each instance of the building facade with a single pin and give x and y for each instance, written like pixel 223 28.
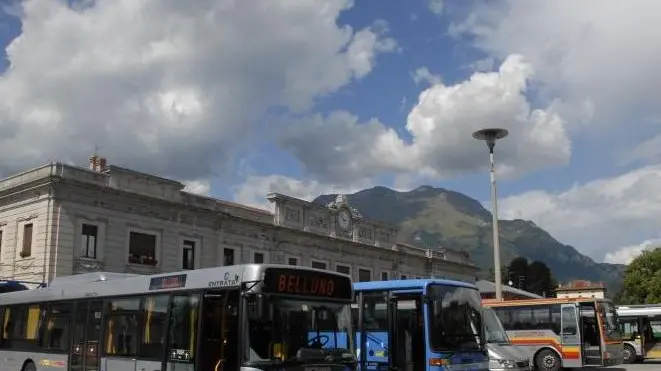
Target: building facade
pixel 59 220
pixel 581 289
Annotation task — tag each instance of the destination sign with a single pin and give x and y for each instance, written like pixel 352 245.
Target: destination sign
pixel 306 283
pixel 168 282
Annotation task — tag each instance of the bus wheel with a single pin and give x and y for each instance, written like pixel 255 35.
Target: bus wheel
pixel 29 366
pixel 629 354
pixel 547 360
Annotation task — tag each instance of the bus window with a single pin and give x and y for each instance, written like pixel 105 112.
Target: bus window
pixel 555 319
pixel 21 325
pixel 183 327
pixel 609 318
pixel 376 313
pixel 135 326
pixel 456 319
pixel 4 334
pixel 56 326
pixel 292 324
pixel 525 319
pixel 505 316
pixel 569 322
pixel 656 330
pixel 629 328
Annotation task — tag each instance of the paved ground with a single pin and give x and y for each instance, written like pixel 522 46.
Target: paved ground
pixel 647 366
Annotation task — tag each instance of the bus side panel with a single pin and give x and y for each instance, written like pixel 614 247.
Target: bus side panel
pixel 530 341
pixel 14 360
pixel 126 364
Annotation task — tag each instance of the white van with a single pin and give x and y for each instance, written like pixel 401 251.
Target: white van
pixel 503 356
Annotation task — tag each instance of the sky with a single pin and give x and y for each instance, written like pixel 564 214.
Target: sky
pixel 241 98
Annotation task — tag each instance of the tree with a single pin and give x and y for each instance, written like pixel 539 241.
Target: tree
pixel 517 272
pixel 642 279
pixel 535 277
pixel 540 279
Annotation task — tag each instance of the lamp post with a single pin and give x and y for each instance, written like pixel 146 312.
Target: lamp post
pixel 490 136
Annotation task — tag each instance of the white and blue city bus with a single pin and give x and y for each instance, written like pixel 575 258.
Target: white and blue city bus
pixel 242 317
pixel 419 325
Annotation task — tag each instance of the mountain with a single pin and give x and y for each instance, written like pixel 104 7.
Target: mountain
pixel 442 217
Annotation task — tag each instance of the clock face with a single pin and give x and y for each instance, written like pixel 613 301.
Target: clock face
pixel 344 219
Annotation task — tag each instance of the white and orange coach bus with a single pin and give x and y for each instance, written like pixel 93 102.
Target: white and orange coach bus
pixel 557 333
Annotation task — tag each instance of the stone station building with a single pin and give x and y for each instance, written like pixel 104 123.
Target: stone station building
pixel 58 220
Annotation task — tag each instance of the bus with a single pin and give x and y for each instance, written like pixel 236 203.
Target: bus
pixel 419 325
pixel 503 355
pixel 640 326
pixel 254 316
pixel 557 333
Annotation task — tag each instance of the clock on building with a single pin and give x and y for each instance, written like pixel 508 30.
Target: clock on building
pixel 344 220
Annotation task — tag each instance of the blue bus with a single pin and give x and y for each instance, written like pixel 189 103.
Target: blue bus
pixel 419 325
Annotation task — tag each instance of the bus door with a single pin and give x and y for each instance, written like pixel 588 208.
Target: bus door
pixel 408 344
pixel 219 331
pixel 592 332
pixel 390 332
pixel 643 323
pixel 373 331
pixel 570 337
pixel 652 339
pixel 84 351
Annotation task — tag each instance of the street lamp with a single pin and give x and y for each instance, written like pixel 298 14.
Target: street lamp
pixel 490 136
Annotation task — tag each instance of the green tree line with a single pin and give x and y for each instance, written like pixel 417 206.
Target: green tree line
pixel 642 280
pixel 535 277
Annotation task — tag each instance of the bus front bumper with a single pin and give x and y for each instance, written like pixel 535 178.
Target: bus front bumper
pixel 500 365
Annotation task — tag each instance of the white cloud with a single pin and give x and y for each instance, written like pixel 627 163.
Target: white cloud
pixel 599 216
pixel 626 254
pixel 201 186
pixel 648 151
pixel 485 64
pixel 600 50
pixel 436 6
pixel 254 190
pixel 339 148
pixel 422 74
pixel 166 86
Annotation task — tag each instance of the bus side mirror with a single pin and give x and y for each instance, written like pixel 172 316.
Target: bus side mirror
pixel 257 308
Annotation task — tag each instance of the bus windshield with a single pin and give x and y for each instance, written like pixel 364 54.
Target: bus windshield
pixel 294 325
pixel 456 319
pixel 610 321
pixel 495 331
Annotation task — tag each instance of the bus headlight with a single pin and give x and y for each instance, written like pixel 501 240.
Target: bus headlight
pixel 502 363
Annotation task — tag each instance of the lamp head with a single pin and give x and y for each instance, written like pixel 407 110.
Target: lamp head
pixel 490 136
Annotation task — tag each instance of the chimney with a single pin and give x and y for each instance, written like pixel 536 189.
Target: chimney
pixel 103 163
pixel 92 163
